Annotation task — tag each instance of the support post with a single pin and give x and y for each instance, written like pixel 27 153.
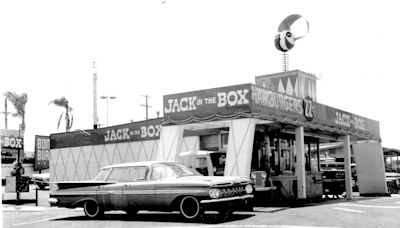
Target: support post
pixel 347 166
pixel 37 196
pixel 300 164
pixel 240 147
pixel 170 143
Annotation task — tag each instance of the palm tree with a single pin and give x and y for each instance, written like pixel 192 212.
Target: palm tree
pixel 19 102
pixel 63 103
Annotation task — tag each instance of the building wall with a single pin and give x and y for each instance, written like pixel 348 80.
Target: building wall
pixel 370 168
pixel 84 162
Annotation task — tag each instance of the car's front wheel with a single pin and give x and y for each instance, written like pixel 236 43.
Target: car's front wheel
pixel 189 208
pixel 92 209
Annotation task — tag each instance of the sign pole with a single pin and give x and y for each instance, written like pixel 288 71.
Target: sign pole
pixel 18 173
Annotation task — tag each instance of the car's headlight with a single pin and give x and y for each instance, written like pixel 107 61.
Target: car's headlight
pixel 253 176
pixel 215 193
pixel 249 188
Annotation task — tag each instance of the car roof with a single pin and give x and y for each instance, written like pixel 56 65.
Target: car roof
pixel 141 163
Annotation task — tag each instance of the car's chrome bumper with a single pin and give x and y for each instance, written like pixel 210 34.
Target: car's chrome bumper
pixel 244 197
pixel 264 189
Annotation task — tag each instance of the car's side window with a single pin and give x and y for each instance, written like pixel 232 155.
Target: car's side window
pixel 119 174
pixel 163 171
pixel 158 172
pixel 172 171
pixel 138 173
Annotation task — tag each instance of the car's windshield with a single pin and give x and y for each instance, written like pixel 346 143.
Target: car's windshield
pixel 101 176
pixel 165 170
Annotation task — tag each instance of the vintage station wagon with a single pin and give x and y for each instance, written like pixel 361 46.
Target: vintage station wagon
pixel 158 186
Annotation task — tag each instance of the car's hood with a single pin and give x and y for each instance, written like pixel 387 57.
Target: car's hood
pixel 217 180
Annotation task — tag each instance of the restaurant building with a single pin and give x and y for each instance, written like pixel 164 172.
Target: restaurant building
pixel 275 125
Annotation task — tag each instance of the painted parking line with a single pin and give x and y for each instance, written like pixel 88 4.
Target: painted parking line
pixel 371 206
pixel 348 210
pixel 255 226
pixel 36 221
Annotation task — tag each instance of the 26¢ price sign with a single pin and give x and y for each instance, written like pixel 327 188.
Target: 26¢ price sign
pixel 42 152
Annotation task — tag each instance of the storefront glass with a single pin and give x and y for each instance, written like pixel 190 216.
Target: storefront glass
pixel 276 154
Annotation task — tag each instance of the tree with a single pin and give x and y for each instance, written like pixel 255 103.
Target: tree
pixel 19 102
pixel 63 103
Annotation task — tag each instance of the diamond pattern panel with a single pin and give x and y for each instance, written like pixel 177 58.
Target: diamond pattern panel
pixel 123 150
pixel 191 143
pixel 135 151
pixel 83 163
pixel 154 150
pixel 53 161
pixel 103 157
pixel 65 156
pixel 75 155
pixel 108 156
pixel 93 163
pixel 81 170
pixel 130 154
pixel 240 144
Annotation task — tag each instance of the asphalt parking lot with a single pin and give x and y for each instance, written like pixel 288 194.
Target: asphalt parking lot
pixel 358 212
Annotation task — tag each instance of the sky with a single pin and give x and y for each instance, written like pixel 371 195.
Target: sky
pixel 160 47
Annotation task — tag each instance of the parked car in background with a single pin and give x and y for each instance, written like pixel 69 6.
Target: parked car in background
pixel 156 186
pixel 42 180
pixel 393 182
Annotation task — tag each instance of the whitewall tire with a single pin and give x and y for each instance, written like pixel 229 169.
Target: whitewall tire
pixel 189 207
pixel 92 209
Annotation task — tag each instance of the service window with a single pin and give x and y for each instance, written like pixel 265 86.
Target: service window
pixel 311 152
pixel 281 155
pixel 209 142
pixel 218 160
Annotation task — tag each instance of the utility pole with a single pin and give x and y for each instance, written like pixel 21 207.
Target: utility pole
pixel 146 106
pixel 107 98
pixel 6 113
pixel 95 116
